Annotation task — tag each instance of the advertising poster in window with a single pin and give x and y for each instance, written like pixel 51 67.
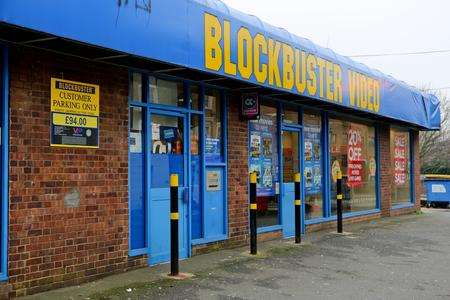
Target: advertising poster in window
pixel 263 155
pixel 400 159
pixel 313 167
pixel 355 159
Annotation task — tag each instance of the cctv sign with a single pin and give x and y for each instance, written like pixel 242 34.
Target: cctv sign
pixel 250 106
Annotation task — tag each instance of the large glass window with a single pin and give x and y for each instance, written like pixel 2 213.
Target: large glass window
pixel 137 179
pixel 136 87
pixel 352 151
pixel 213 126
pixel 196 163
pixel 166 149
pixel 312 131
pixel 264 161
pixel 166 92
pixel 400 161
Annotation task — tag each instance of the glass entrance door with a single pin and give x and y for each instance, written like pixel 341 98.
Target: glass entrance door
pixel 167 156
pixel 291 165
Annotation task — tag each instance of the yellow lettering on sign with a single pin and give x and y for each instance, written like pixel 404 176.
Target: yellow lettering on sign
pixel 337 83
pixel 74 97
pixel 229 67
pixel 311 64
pixel 288 67
pixel 260 69
pixel 245 51
pixel 274 71
pixel 363 94
pixel 352 87
pixel 300 72
pixel 213 34
pixel 376 95
pixel 370 94
pixel 329 80
pixel 321 64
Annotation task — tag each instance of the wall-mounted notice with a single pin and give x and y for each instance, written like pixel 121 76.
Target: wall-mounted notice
pixel 354 157
pixel 399 159
pixel 213 181
pixel 74 114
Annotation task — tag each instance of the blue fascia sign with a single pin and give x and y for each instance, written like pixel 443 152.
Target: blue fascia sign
pixel 211 37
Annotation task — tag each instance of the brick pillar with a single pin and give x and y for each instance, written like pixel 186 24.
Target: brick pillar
pixel 385 169
pixel 417 164
pixel 237 173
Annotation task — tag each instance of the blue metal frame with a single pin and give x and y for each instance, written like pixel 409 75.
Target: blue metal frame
pixel 4 162
pixel 326 165
pixel 185 112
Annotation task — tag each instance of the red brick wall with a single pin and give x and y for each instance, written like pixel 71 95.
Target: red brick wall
pixel 386 171
pixel 237 173
pixel 51 245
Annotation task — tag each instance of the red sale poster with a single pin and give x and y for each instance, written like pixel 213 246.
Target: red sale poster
pixel 399 159
pixel 354 157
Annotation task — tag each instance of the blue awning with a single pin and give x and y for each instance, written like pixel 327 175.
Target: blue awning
pixel 212 37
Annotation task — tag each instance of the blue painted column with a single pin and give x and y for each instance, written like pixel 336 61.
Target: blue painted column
pixel 4 162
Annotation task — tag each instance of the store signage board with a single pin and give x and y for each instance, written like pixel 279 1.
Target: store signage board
pixel 75 108
pixel 250 106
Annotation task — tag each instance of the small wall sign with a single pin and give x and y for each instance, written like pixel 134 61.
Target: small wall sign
pixel 250 106
pixel 74 114
pixel 213 181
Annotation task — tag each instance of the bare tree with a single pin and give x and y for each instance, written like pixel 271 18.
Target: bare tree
pixel 435 145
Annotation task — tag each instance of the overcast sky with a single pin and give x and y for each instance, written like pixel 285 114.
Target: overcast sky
pixel 354 27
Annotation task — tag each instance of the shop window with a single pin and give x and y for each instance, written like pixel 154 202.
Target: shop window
pixel 137 171
pixel 213 126
pixel 166 92
pixel 166 149
pixel 400 161
pixel 196 163
pixel 194 97
pixel 136 87
pixel 312 131
pixel 263 159
pixel 352 151
pixel 290 155
pixel 290 116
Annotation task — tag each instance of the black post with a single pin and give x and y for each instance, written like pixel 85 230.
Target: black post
pixel 297 203
pixel 174 268
pixel 253 207
pixel 339 201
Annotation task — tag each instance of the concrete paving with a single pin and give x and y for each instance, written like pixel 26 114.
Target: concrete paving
pixel 405 257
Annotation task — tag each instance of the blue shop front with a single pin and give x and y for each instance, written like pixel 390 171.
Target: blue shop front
pixel 191 64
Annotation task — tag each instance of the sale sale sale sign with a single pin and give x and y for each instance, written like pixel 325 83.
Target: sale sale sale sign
pixel 400 159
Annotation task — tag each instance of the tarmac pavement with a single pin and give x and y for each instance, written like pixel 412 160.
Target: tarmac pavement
pixel 405 257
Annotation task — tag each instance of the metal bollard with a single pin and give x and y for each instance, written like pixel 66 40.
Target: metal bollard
pixel 297 203
pixel 253 207
pixel 339 201
pixel 174 216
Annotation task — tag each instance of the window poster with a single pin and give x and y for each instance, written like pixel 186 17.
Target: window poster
pixel 355 159
pixel 400 142
pixel 313 165
pixel 263 154
pixel 212 149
